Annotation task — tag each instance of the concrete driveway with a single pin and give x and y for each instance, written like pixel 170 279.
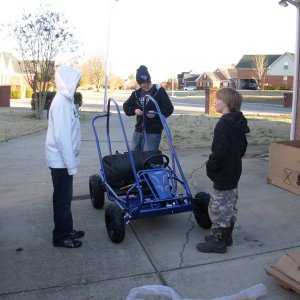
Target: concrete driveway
pixel 158 250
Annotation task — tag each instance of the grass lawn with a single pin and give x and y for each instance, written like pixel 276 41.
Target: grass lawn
pixel 190 132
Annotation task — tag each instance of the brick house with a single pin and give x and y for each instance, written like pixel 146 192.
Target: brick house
pixel 208 80
pixel 280 71
pixel 10 73
pixel 221 77
pixel 186 79
pixel 227 77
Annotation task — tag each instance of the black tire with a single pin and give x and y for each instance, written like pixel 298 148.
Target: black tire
pixel 115 224
pixel 96 191
pixel 201 215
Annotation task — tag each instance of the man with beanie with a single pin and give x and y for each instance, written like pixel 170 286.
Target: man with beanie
pixel 135 106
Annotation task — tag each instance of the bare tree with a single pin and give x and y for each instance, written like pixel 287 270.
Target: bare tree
pixel 116 82
pixel 41 37
pixel 260 65
pixel 93 71
pixel 170 82
pixel 132 84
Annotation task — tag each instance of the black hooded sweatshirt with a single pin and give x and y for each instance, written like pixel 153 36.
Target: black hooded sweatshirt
pixel 153 125
pixel 224 166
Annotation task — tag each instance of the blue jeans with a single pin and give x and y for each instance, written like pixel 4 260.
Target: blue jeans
pixel 139 143
pixel 62 197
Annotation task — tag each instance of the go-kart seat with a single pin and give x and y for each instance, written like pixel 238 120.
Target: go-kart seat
pixel 118 168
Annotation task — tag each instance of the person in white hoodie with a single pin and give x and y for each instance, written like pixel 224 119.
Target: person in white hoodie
pixel 62 155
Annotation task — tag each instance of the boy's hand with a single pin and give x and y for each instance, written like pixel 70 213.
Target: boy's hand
pixel 150 114
pixel 138 112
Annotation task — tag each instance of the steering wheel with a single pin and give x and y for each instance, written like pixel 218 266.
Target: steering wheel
pixel 156 161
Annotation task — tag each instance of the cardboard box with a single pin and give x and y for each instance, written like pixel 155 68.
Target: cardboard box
pixel 284 165
pixel 286 271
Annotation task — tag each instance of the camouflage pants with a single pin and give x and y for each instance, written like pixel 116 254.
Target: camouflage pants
pixel 222 207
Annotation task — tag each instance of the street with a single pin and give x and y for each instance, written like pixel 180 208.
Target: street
pixel 93 101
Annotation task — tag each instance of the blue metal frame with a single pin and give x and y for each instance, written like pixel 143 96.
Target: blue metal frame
pixel 145 198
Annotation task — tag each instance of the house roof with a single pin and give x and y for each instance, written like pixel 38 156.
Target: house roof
pixel 193 78
pixel 232 73
pixel 247 60
pixel 187 75
pixel 210 75
pixel 222 73
pixel 8 56
pixel 291 55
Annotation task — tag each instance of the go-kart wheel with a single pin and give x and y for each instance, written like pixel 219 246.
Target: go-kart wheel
pixel 156 160
pixel 200 203
pixel 115 224
pixel 96 191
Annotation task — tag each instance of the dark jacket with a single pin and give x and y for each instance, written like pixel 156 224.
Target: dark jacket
pixel 224 166
pixel 153 125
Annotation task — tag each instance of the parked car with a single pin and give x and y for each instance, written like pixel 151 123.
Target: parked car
pixel 190 88
pixel 250 85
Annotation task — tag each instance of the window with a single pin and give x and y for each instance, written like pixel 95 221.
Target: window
pixel 284 78
pixel 286 65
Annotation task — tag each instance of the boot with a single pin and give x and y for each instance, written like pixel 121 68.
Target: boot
pixel 217 244
pixel 229 240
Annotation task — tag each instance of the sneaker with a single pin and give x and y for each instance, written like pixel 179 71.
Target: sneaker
pixel 76 234
pixel 67 243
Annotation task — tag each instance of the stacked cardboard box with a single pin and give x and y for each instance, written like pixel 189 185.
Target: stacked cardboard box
pixel 287 271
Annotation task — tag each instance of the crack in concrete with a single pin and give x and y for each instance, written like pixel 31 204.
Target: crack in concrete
pixel 190 177
pixel 81 197
pixel 190 229
pixel 187 238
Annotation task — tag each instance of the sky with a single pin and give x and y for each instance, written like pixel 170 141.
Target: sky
pixel 171 36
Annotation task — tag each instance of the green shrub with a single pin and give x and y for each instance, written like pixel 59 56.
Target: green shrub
pixel 15 94
pixel 50 95
pixel 29 93
pixel 275 88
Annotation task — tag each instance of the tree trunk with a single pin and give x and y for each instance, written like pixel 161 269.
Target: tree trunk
pixel 42 101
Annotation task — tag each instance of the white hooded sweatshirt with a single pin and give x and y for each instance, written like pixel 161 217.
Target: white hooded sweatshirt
pixel 63 135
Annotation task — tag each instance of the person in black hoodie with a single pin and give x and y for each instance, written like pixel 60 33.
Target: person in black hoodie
pixel 224 168
pixel 135 106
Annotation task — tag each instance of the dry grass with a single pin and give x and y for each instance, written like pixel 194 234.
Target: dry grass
pixel 16 122
pixel 190 132
pixel 263 99
pixel 187 131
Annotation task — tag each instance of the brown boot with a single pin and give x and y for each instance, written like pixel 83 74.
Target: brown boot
pixel 228 241
pixel 217 244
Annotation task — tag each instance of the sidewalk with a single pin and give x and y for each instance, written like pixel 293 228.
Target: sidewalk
pixel 159 250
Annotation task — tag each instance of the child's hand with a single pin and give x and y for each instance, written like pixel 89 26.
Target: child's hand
pixel 138 112
pixel 150 114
